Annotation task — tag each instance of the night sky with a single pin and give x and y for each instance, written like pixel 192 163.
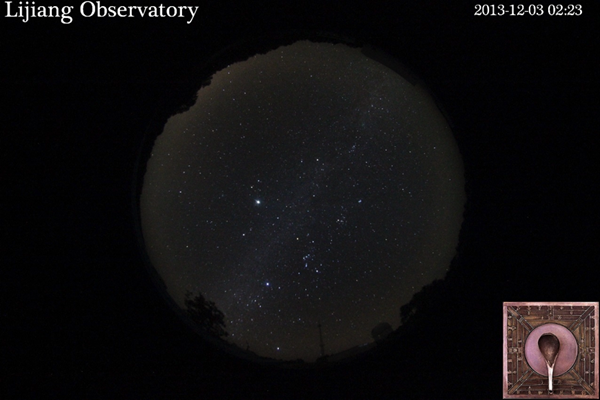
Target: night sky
pixel 308 184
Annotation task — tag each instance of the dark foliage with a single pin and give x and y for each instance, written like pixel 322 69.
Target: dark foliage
pixel 425 301
pixel 205 314
pixel 381 331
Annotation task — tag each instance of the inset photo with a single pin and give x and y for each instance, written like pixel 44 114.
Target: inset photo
pixel 550 350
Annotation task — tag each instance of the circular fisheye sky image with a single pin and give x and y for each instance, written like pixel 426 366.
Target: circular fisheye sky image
pixel 308 193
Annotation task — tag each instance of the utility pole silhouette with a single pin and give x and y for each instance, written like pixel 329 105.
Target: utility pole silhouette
pixel 321 340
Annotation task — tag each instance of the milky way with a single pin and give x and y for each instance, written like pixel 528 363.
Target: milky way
pixel 311 183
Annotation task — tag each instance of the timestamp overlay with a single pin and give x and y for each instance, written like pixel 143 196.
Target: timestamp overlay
pixel 531 10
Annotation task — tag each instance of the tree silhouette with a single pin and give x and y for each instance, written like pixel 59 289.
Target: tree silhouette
pixel 381 331
pixel 426 302
pixel 205 314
